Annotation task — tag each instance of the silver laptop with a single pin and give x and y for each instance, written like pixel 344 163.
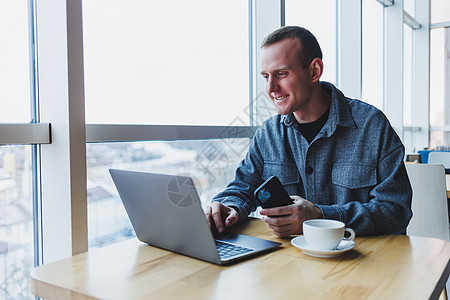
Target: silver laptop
pixel 165 212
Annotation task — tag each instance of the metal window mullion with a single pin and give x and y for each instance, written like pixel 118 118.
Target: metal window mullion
pixel 24 133
pixel 101 133
pixel 35 148
pixel 412 128
pixel 268 15
pixel 61 96
pixel 440 128
pixel 421 72
pixel 393 65
pixel 440 25
pixel 349 49
pixel 386 3
pixel 282 13
pixel 410 21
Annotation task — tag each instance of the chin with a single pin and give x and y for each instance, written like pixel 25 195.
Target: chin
pixel 283 111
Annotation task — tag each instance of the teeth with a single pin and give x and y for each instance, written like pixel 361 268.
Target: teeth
pixel 281 98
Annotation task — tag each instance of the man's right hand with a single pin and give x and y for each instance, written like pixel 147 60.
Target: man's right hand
pixel 220 216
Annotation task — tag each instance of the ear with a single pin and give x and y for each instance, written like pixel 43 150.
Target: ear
pixel 316 69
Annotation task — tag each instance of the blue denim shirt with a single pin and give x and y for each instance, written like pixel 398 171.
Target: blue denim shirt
pixel 353 170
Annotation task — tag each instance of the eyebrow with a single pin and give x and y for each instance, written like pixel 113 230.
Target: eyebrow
pixel 277 69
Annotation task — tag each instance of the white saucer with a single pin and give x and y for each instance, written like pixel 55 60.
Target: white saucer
pixel 300 243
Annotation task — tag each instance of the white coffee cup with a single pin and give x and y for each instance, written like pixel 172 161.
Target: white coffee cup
pixel 324 234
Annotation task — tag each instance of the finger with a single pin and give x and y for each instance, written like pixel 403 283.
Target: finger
pixel 297 199
pixel 208 215
pixel 216 212
pixel 230 221
pixel 277 221
pixel 232 218
pixel 281 231
pixel 276 211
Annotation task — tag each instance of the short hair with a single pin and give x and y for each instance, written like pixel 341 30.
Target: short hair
pixel 310 48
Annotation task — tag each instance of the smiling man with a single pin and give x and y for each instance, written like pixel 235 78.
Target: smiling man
pixel 338 158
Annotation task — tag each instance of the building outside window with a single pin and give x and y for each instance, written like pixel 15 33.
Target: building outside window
pixel 16 196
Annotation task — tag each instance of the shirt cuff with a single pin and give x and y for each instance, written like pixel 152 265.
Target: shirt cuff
pixel 242 214
pixel 331 212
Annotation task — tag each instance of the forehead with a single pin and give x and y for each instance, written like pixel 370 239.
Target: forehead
pixel 280 55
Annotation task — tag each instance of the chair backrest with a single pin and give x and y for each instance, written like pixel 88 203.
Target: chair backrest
pixel 439 157
pixel 429 202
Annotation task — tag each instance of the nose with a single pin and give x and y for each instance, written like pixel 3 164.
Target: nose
pixel 271 85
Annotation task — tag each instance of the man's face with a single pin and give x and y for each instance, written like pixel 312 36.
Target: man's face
pixel 288 83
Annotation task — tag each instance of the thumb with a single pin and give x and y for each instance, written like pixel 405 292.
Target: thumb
pixel 231 219
pixel 297 199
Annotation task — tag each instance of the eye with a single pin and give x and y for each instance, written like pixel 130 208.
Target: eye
pixel 282 74
pixel 265 76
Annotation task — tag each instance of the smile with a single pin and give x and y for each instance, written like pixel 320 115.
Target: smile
pixel 281 98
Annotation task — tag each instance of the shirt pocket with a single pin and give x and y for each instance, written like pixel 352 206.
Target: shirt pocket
pixel 287 173
pixel 354 175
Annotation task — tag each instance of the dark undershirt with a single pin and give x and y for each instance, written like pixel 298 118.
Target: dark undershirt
pixel 310 130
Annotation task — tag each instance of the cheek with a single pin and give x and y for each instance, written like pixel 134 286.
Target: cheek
pixel 290 84
pixel 299 87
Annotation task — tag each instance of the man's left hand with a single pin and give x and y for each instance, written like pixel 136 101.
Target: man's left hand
pixel 288 220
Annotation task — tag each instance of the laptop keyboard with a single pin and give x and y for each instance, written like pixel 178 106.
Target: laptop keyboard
pixel 227 250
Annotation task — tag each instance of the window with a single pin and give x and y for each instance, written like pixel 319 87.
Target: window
pixel 439 86
pixel 409 7
pixel 166 62
pixel 324 28
pixel 16 222
pixel 440 11
pixel 148 63
pixel 372 53
pixel 16 195
pixel 407 87
pixel 14 62
pixel 211 163
pixel 439 70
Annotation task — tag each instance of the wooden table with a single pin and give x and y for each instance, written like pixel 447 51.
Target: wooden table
pixel 384 267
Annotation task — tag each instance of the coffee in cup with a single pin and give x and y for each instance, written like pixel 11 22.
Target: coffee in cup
pixel 325 234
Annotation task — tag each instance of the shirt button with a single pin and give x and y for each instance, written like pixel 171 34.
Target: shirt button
pixel 309 170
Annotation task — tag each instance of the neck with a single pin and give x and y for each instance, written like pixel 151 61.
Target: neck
pixel 320 102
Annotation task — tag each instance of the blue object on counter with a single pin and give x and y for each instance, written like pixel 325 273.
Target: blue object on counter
pixel 424 155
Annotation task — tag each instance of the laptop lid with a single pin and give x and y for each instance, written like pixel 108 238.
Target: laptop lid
pixel 165 211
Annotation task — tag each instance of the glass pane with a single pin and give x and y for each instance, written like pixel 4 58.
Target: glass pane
pixel 14 62
pixel 372 53
pixel 16 222
pixel 324 28
pixel 440 11
pixel 436 139
pixel 408 136
pixel 211 163
pixel 438 86
pixel 166 62
pixel 408 6
pixel 440 83
pixel 407 75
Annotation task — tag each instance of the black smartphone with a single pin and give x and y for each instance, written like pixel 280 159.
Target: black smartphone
pixel 272 194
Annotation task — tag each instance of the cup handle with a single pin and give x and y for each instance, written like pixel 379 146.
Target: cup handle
pixel 352 234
